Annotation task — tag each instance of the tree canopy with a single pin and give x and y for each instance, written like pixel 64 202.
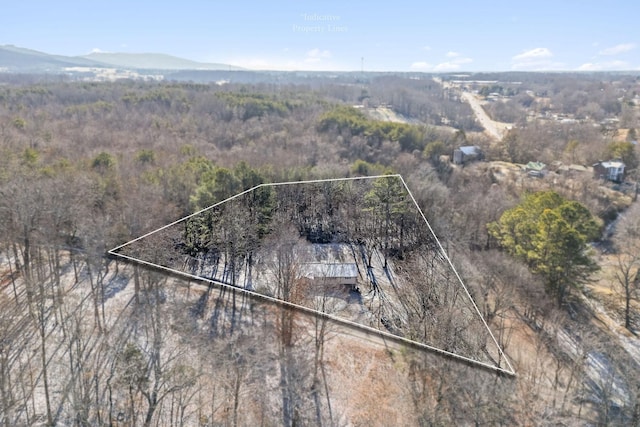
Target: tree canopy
pixel 236 232
pixel 550 234
pixel 341 118
pixel 624 151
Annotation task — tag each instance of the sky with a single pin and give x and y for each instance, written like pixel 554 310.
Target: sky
pixel 346 35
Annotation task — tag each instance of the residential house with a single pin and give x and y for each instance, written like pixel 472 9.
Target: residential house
pixel 331 274
pixel 466 154
pixel 612 170
pixel 536 169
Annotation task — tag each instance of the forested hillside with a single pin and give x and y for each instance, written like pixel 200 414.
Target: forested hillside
pixel 89 339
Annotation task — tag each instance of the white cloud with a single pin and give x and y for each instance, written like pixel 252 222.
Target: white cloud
pixel 317 55
pixel 97 50
pixel 453 65
pixel 454 62
pixel 538 66
pixel 314 59
pixel 618 49
pixel 538 59
pixel 603 66
pixel 427 48
pixel 421 65
pixel 533 54
pixel 447 66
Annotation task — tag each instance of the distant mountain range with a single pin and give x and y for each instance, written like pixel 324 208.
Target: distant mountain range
pixel 21 60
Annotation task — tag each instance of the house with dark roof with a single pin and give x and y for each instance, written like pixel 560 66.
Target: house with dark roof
pixel 331 274
pixel 467 154
pixel 613 170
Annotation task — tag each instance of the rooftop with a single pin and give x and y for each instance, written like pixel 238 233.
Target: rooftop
pixel 536 166
pixel 470 149
pixel 613 164
pixel 324 269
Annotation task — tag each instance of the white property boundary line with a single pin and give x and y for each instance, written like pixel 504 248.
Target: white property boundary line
pixel 379 332
pixel 511 370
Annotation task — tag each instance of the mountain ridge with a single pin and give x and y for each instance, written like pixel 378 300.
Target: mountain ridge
pixel 155 61
pixel 19 59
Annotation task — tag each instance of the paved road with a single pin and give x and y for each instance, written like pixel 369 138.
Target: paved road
pixel 496 130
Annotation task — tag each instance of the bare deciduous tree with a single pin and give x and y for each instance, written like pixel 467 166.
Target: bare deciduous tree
pixel 627 260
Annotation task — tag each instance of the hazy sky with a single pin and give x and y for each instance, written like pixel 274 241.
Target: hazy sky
pixel 459 35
